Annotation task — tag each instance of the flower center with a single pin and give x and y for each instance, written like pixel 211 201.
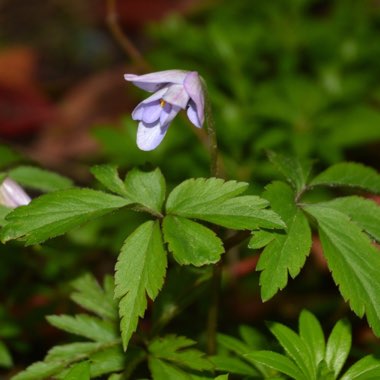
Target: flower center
pixel 162 103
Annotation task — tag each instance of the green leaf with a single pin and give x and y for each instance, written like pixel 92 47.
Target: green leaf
pixel 194 194
pixel 324 372
pixel 140 270
pixel 364 212
pixel 338 346
pixel 176 349
pixel 253 337
pixel 91 296
pixel 5 356
pixel 311 333
pixel 233 365
pixel 261 238
pixel 296 172
pixel 190 242
pixel 244 212
pixel 353 260
pixel 146 188
pixel 54 214
pixel 367 368
pixel 240 348
pixel 296 348
pixel 80 371
pixel 39 179
pixel 112 359
pixel 84 325
pixel 287 252
pixel 66 352
pixel 349 174
pixel 278 362
pixel 108 176
pixel 4 211
pixel 161 370
pixel 40 371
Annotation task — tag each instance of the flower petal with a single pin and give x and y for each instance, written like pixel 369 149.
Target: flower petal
pixel 194 88
pixel 154 81
pixel 149 136
pixel 138 112
pixel 168 113
pixel 193 115
pixel 12 194
pixel 176 95
pixel 151 112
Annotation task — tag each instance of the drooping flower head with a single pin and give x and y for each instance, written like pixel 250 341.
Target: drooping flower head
pixel 12 195
pixel 173 90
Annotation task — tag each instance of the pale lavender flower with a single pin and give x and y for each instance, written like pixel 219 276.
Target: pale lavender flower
pixel 12 195
pixel 173 90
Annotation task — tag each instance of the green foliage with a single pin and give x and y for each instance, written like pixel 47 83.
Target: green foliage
pixel 5 356
pixel 349 174
pixel 215 201
pixel 232 353
pixel 39 179
pixel 80 371
pixel 295 171
pixel 176 351
pixel 307 356
pixel 146 188
pixel 353 260
pixel 287 251
pixel 140 270
pixel 79 360
pixel 190 242
pixel 54 214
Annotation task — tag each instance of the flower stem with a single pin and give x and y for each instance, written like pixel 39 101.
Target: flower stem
pixel 122 39
pixel 216 279
pixel 211 132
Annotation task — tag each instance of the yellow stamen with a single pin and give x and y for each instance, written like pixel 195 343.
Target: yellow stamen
pixel 162 103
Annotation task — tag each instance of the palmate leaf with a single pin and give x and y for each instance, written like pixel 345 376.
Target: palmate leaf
pixel 39 179
pixel 194 194
pixel 176 349
pixel 173 357
pixel 108 176
pixel 239 213
pixel 310 331
pixel 296 348
pixel 54 214
pixel 214 200
pixel 349 174
pixel 278 362
pixel 366 368
pixel 364 212
pixel 338 346
pixel 91 296
pixel 234 365
pixel 88 326
pixel 79 371
pixel 40 370
pixel 190 242
pixel 146 188
pixel 353 260
pixel 140 271
pixel 296 172
pixel 103 352
pixel 287 252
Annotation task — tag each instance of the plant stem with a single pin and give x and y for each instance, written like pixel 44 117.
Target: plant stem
pixel 122 38
pixel 213 312
pixel 211 132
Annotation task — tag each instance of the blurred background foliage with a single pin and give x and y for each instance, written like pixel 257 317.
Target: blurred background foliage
pixel 301 77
